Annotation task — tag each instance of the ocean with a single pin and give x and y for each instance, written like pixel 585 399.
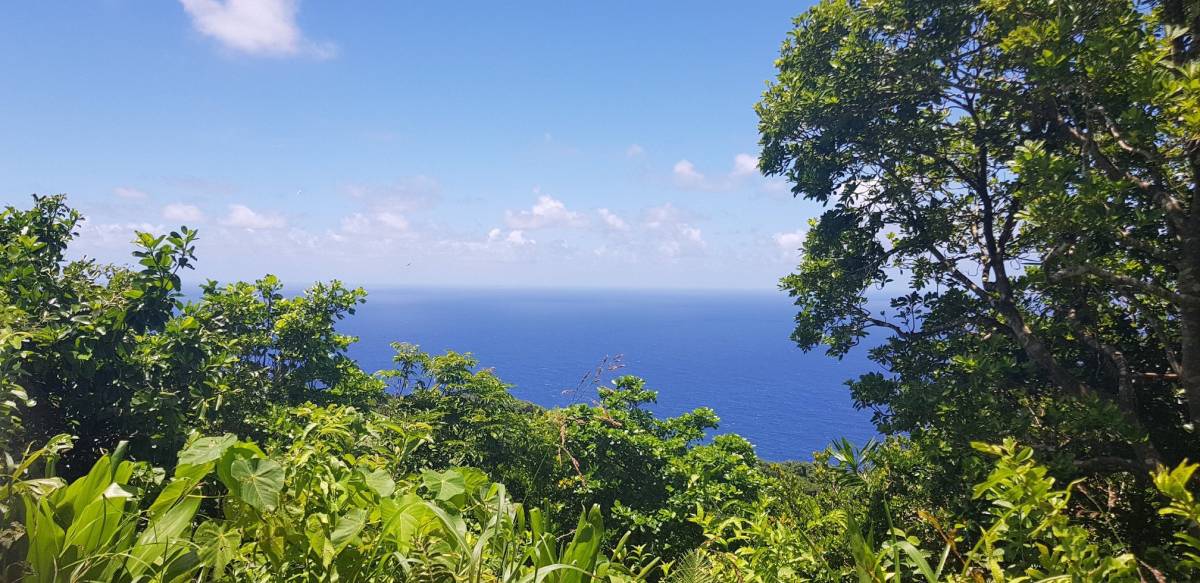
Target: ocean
pixel 726 350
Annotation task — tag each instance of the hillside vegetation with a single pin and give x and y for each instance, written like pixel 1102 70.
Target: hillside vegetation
pixel 1027 172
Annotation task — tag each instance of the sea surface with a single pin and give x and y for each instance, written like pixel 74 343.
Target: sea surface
pixel 725 350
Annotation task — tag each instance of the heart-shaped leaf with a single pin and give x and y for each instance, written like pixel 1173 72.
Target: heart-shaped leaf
pixel 258 481
pixel 380 481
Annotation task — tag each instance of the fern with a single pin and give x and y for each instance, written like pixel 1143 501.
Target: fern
pixel 694 567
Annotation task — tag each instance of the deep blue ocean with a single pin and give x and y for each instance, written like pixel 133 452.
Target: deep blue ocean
pixel 725 350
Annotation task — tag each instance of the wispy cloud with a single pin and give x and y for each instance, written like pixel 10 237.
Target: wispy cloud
pixel 789 242
pixel 688 177
pixel 129 193
pixel 634 151
pixel 744 165
pixel 401 196
pixel 373 224
pixel 116 235
pixel 178 211
pixel 255 27
pixel 515 237
pixel 611 221
pixel 393 221
pixel 670 234
pixel 243 217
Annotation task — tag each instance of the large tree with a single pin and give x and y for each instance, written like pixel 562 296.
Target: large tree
pixel 1022 177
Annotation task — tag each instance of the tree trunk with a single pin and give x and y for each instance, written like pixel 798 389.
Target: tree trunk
pixel 1037 351
pixel 1145 452
pixel 1189 288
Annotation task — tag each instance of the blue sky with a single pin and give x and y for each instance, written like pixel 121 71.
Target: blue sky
pixel 543 144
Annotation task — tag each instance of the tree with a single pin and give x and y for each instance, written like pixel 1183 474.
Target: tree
pixel 75 328
pixel 1032 169
pixel 109 353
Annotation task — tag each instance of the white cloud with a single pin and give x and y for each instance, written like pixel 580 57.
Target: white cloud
pixel 255 27
pixel 612 221
pixel 547 212
pixel 384 209
pixel 356 224
pixel 129 193
pixel 789 242
pixel 242 216
pixel 393 221
pixel 681 240
pixel 382 224
pixel 178 211
pixel 688 177
pixel 744 165
pixel 634 150
pixel 114 234
pixel 515 237
pixel 670 234
pixel 664 214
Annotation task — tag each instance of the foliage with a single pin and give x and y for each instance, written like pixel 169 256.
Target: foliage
pixel 646 473
pixel 1027 534
pixel 650 471
pixel 328 507
pixel 476 420
pixel 244 360
pixel 72 333
pixel 1026 173
pixel 1029 170
pixel 109 353
pixel 278 351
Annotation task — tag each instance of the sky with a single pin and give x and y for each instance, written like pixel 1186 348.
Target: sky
pixel 528 144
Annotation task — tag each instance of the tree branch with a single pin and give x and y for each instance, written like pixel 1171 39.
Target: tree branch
pixel 1170 205
pixel 1125 281
pixel 1109 464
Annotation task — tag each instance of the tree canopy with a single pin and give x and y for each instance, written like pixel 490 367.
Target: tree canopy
pixel 1021 180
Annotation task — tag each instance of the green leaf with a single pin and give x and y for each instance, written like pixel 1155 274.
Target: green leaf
pixel 406 518
pixel 206 449
pixel 218 545
pixel 347 527
pixel 380 481
pixel 161 538
pixel 446 486
pixel 259 482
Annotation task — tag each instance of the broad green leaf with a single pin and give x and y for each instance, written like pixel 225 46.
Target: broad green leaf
pixel 170 495
pixel 206 449
pixel 406 518
pixel 446 486
pixel 218 545
pixel 161 537
pixel 380 481
pixel 91 529
pixel 347 527
pixel 259 482
pixel 45 539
